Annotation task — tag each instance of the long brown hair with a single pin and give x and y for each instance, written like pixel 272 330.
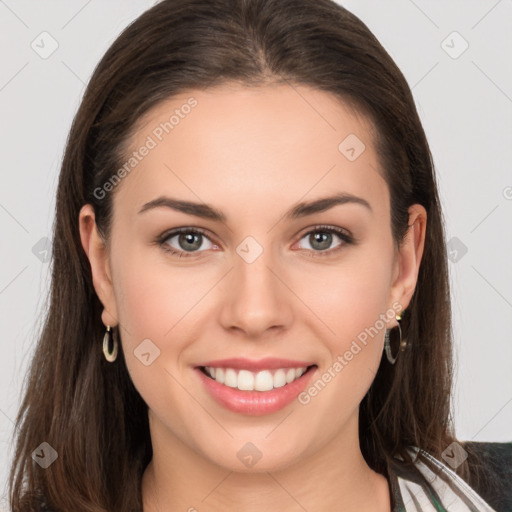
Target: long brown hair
pixel 87 409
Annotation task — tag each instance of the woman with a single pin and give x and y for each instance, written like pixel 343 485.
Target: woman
pixel 250 303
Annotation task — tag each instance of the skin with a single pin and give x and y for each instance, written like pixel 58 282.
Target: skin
pixel 253 153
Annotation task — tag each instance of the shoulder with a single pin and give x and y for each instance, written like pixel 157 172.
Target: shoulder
pixel 428 481
pixel 495 472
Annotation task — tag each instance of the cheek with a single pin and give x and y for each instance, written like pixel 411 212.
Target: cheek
pixel 354 310
pixel 350 305
pixel 347 298
pixel 149 306
pixel 161 303
pixel 146 306
pixel 152 314
pixel 153 297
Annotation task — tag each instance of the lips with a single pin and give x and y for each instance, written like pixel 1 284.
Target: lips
pixel 249 400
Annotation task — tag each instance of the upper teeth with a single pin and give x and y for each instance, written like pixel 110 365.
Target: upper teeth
pixel 245 380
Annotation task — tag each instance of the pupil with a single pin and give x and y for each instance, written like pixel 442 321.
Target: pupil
pixel 325 237
pixel 189 238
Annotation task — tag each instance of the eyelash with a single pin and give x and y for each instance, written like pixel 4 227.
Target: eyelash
pixel 346 238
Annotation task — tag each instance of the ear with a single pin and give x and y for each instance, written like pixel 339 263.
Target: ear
pixel 96 250
pixel 409 258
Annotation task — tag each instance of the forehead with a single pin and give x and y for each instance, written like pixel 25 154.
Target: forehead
pixel 286 107
pixel 233 141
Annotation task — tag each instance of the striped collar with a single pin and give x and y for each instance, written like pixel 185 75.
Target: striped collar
pixel 430 486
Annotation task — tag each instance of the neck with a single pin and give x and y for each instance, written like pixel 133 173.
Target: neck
pixel 335 477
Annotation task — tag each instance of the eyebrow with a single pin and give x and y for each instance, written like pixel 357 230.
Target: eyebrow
pixel 300 210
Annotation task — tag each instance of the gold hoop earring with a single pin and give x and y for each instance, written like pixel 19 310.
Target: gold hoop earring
pixel 110 355
pixel 387 345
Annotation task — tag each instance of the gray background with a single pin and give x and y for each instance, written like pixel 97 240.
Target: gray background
pixel 465 102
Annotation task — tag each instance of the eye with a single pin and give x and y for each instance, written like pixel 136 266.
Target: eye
pixel 321 238
pixel 188 241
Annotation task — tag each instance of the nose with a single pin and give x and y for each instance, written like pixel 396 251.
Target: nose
pixel 257 297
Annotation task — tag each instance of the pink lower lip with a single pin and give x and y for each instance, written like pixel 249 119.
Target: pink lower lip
pixel 256 403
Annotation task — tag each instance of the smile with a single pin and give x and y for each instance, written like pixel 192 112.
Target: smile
pixel 245 380
pixel 255 392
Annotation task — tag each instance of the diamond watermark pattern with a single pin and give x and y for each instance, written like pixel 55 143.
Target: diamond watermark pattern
pixel 351 147
pixel 147 352
pixel 42 250
pixel 45 455
pixel 455 455
pixel 44 45
pixel 249 455
pixel 249 249
pixel 456 249
pixel 454 45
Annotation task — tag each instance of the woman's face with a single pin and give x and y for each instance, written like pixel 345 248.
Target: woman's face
pixel 266 277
